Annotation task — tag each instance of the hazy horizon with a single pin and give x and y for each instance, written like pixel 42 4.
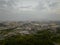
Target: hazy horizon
pixel 21 10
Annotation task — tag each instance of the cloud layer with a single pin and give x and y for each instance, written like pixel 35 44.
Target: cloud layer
pixel 29 9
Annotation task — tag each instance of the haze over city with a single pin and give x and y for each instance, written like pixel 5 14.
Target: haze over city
pixel 21 10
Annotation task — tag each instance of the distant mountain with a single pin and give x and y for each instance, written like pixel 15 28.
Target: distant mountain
pixel 2 25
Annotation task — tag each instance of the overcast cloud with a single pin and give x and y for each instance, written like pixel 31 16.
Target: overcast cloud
pixel 29 10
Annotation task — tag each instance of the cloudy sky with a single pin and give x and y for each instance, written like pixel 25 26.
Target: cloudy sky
pixel 29 10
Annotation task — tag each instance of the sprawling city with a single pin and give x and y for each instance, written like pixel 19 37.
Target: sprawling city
pixel 43 32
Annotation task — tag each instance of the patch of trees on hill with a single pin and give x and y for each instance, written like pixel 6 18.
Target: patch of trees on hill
pixel 44 37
